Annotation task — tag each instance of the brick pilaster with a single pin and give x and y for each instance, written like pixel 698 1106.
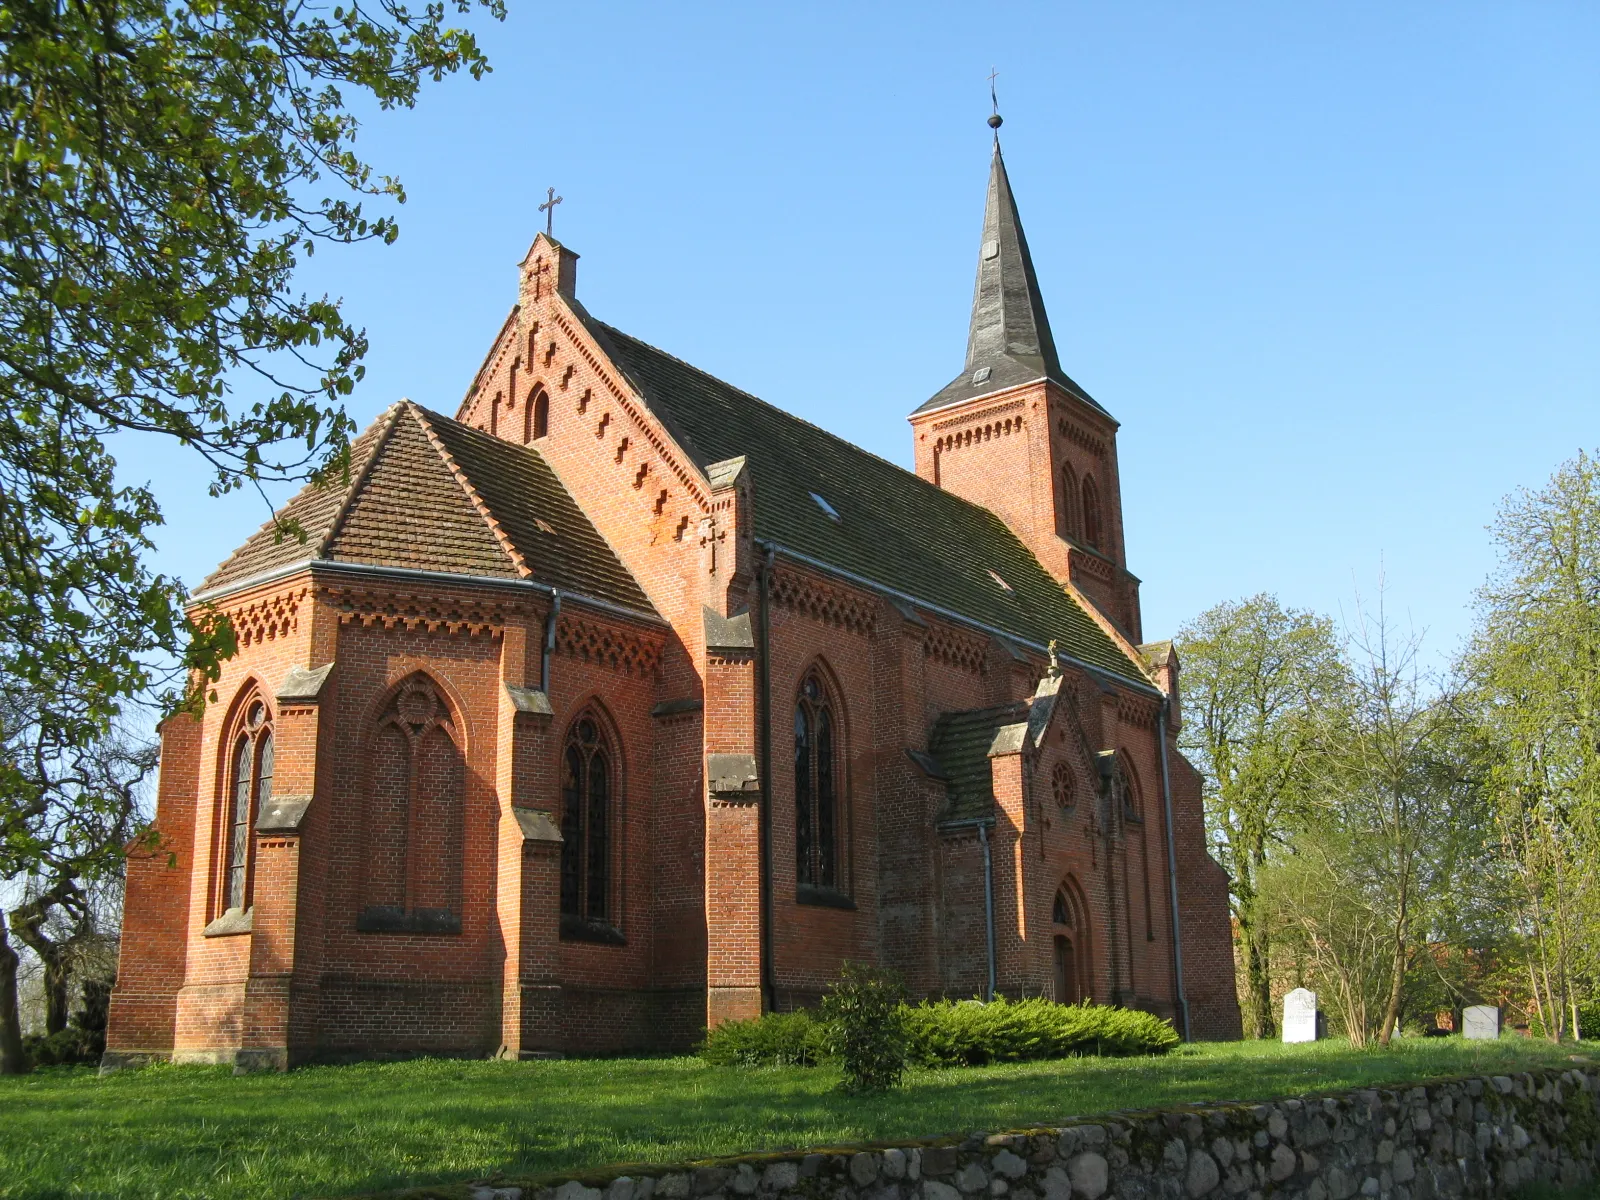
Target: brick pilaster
pixel 155 934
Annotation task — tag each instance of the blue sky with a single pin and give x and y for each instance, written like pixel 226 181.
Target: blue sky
pixel 1334 266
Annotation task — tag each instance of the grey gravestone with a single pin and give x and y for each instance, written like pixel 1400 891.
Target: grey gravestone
pixel 1481 1022
pixel 1300 1016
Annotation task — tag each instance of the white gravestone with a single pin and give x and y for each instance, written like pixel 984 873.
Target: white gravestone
pixel 1300 1016
pixel 1481 1022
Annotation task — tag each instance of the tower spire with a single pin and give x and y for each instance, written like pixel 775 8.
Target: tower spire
pixel 1008 337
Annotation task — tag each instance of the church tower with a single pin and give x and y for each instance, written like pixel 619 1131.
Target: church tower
pixel 1015 434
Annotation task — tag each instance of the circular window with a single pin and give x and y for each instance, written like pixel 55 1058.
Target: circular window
pixel 1061 785
pixel 258 714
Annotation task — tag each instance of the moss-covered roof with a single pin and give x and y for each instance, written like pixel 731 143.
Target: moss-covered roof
pixel 960 744
pixel 893 529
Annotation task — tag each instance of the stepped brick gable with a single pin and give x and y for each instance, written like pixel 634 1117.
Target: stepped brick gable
pixel 622 703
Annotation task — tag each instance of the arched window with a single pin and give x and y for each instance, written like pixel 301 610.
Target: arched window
pixel 816 787
pixel 250 788
pixel 1069 502
pixel 538 414
pixel 586 787
pixel 1091 512
pixel 1133 811
pixel 416 808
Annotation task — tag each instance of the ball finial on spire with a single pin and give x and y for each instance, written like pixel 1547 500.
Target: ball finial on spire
pixel 996 120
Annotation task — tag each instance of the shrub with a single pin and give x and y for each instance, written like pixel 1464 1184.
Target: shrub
pixel 942 1033
pixel 955 1033
pixel 792 1039
pixel 866 1011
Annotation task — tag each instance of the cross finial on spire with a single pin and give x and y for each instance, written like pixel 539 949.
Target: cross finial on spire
pixel 995 119
pixel 549 210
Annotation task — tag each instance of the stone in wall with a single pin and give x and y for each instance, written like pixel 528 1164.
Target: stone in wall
pixel 1460 1139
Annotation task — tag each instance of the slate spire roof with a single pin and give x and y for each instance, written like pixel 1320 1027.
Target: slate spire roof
pixel 427 493
pixel 1008 340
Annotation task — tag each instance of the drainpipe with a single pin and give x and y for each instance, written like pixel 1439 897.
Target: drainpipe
pixel 769 983
pixel 549 642
pixel 1172 868
pixel 988 901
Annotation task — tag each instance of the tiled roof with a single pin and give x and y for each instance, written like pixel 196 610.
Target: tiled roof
pixel 894 529
pixel 960 743
pixel 428 493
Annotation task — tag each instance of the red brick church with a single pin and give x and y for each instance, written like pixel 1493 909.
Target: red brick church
pixel 620 703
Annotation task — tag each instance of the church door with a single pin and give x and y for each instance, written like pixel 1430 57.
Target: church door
pixel 1066 981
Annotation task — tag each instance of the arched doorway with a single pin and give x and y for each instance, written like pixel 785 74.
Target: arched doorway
pixel 1066 972
pixel 1070 946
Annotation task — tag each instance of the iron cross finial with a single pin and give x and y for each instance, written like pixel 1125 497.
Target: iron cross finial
pixel 548 208
pixel 995 120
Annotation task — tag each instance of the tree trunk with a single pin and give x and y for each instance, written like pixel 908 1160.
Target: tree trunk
pixel 12 1061
pixel 27 920
pixel 1258 979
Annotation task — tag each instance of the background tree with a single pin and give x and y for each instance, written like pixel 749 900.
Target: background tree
pixel 1370 885
pixel 163 169
pixel 1253 673
pixel 1533 670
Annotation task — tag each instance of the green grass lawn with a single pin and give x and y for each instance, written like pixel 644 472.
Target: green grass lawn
pixel 324 1131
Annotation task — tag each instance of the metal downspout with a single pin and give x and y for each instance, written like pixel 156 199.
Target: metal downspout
pixel 988 902
pixel 769 986
pixel 549 642
pixel 1172 868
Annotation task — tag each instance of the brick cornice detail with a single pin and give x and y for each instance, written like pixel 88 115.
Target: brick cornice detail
pixel 414 610
pixel 620 649
pixel 956 648
pixel 267 617
pixel 802 593
pixel 984 414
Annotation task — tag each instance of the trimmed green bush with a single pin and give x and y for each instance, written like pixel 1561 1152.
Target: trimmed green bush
pixel 955 1033
pixel 951 1033
pixel 792 1039
pixel 865 1012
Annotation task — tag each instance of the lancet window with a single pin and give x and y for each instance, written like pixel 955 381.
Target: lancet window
pixel 538 414
pixel 249 787
pixel 1092 530
pixel 588 766
pixel 816 786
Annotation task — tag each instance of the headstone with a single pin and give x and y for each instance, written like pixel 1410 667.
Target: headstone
pixel 1300 1016
pixel 1481 1022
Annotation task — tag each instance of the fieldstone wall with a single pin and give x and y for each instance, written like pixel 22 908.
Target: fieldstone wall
pixel 1454 1140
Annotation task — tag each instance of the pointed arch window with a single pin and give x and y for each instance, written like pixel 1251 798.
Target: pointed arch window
pixel 250 787
pixel 1092 529
pixel 588 777
pixel 1069 501
pixel 816 787
pixel 538 414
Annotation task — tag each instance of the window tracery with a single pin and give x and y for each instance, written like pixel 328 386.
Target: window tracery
pixel 586 792
pixel 250 786
pixel 816 775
